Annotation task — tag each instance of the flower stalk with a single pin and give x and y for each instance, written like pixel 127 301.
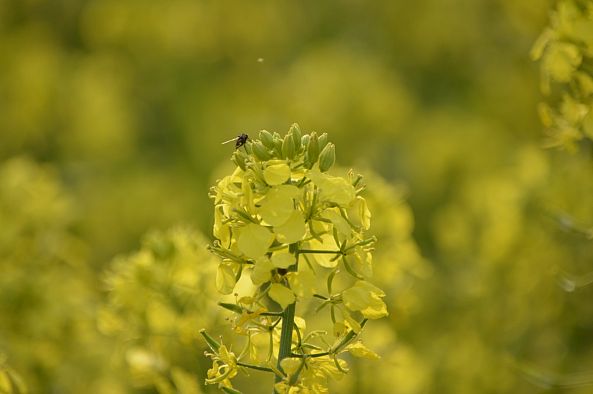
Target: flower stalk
pixel 286 336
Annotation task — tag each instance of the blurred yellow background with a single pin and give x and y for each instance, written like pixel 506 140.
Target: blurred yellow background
pixel 111 117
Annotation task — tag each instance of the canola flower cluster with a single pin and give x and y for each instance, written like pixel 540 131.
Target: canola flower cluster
pixel 287 232
pixel 156 300
pixel 565 50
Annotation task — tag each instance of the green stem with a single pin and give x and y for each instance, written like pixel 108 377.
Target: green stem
pixel 286 336
pixel 337 347
pixel 287 322
pixel 303 251
pixel 350 336
pixel 311 355
pixel 257 367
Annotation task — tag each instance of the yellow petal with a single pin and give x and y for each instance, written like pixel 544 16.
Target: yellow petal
pixel 358 349
pixel 276 174
pixel 254 240
pixel 261 272
pixel 359 213
pixel 283 259
pixel 366 298
pixel 333 189
pixel 225 279
pixel 327 243
pixel 281 294
pixel 277 206
pixel 221 231
pixel 303 283
pixel 293 230
pixel 360 261
pixel 290 365
pixel 340 224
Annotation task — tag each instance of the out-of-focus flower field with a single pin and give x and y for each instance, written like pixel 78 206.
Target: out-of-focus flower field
pixel 112 114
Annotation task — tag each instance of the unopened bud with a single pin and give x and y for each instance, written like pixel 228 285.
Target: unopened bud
pixel 288 149
pixel 322 141
pixel 278 144
pixel 260 151
pixel 231 307
pixel 267 139
pixel 213 343
pixel 327 157
pixel 312 150
pixel 295 130
pixel 239 158
pixel 248 148
pixel 305 140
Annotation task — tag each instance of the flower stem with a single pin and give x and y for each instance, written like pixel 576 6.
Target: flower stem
pixel 287 321
pixel 304 251
pixel 257 367
pixel 286 336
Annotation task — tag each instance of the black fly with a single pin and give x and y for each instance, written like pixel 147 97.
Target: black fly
pixel 240 140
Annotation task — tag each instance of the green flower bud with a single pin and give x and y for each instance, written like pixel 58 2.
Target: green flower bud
pixel 327 157
pixel 278 145
pixel 305 140
pixel 322 141
pixel 295 130
pixel 248 148
pixel 288 148
pixel 312 150
pixel 213 343
pixel 240 158
pixel 260 151
pixel 231 307
pixel 267 139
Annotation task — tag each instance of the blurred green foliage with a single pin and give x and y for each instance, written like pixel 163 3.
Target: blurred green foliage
pixel 566 51
pixel 48 292
pixel 157 297
pixel 111 118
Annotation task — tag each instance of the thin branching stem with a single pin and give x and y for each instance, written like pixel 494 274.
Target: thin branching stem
pixel 252 366
pixel 286 336
pixel 311 251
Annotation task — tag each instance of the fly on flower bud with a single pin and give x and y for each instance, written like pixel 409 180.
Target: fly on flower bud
pixel 288 148
pixel 327 157
pixel 239 141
